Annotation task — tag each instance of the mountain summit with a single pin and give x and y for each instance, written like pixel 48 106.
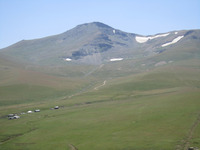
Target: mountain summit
pixel 95 43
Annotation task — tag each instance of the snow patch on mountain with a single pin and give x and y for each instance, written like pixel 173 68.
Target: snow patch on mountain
pixel 140 39
pixel 159 35
pixel 144 39
pixel 68 59
pixel 116 59
pixel 174 41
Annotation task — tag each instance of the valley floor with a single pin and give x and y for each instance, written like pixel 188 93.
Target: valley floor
pixel 156 119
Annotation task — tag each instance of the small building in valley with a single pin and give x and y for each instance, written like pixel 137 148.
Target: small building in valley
pixel 37 110
pixel 56 107
pixel 30 111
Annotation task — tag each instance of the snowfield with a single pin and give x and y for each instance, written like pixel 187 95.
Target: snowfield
pixel 140 39
pixel 157 36
pixel 144 39
pixel 174 41
pixel 68 59
pixel 116 59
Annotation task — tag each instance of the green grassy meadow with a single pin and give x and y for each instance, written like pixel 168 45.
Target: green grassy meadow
pixel 155 121
pixel 141 107
pixel 153 110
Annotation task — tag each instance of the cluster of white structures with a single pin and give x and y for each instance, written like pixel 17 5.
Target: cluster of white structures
pixel 13 116
pixel 16 116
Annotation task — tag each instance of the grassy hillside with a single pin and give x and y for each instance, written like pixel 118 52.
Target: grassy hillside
pixel 20 84
pixel 156 109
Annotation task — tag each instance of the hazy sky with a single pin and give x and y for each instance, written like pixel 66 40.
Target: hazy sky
pixel 30 19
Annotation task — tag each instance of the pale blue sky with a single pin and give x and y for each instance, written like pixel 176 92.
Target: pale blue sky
pixel 30 19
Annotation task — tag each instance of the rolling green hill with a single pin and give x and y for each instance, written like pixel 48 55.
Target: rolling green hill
pixel 158 109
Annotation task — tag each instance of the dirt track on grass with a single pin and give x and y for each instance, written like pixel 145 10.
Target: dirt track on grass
pixel 186 143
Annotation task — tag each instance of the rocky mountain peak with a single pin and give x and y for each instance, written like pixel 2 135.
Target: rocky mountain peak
pixel 96 43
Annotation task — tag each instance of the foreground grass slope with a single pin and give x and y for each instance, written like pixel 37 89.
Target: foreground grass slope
pixel 150 122
pixel 157 109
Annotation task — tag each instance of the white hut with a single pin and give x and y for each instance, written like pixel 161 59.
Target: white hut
pixel 29 112
pixel 56 107
pixel 37 110
pixel 16 117
pixel 10 115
